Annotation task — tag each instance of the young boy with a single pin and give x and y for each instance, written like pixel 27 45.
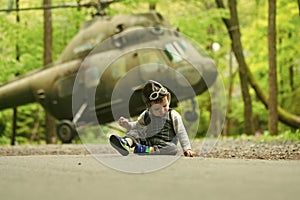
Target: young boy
pixel 157 129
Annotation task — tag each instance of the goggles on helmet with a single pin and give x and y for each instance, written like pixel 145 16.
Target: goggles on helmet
pixel 154 95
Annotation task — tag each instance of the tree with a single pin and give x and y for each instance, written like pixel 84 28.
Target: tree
pixel 299 6
pixel 50 121
pixel 284 116
pixel 232 25
pixel 273 113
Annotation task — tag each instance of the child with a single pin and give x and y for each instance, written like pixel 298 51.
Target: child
pixel 157 129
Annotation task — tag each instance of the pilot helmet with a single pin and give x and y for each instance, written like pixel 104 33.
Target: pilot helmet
pixel 153 91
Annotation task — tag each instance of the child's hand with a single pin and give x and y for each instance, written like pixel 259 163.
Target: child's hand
pixel 190 153
pixel 125 123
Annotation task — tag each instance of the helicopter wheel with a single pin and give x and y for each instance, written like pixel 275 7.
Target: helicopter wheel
pixel 66 131
pixel 191 116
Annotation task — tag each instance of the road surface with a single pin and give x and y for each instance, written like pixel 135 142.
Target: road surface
pixel 75 177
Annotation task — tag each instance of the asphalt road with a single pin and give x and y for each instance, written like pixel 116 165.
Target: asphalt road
pixel 84 177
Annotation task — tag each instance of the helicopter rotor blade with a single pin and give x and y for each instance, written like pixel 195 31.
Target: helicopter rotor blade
pixel 99 4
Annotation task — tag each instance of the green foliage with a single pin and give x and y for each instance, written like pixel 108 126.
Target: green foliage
pixel 30 125
pixel 27 35
pixel 255 43
pixel 96 135
pixel 199 20
pixel 204 107
pixel 4 140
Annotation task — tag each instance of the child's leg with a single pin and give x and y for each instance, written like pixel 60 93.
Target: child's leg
pixel 168 148
pixel 141 145
pixel 129 141
pixel 143 149
pixel 123 145
pixel 164 147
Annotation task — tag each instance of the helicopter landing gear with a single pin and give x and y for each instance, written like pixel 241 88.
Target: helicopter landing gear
pixel 191 115
pixel 66 131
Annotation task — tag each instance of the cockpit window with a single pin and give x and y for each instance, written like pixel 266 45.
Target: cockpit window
pixel 92 76
pixel 118 68
pixel 149 57
pixel 88 43
pixel 151 64
pixel 176 51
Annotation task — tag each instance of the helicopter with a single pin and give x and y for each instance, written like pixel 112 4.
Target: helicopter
pixel 99 75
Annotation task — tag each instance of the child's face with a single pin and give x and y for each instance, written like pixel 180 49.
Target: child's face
pixel 160 109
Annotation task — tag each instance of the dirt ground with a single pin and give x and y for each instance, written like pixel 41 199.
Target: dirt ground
pixel 225 148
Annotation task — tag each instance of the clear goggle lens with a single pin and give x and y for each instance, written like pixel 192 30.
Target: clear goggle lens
pixel 155 95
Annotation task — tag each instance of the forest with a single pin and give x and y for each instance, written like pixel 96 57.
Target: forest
pixel 259 66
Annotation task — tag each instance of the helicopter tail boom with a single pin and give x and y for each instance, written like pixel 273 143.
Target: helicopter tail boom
pixel 15 94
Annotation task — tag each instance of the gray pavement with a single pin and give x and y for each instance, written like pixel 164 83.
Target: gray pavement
pixel 84 177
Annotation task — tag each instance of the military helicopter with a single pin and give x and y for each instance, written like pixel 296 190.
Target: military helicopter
pixel 102 70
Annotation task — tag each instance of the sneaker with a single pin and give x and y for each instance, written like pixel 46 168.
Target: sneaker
pixel 141 149
pixel 120 144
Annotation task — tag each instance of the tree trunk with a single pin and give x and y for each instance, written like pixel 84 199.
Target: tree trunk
pixel 229 95
pixel 235 35
pixel 291 68
pixel 15 110
pixel 299 6
pixel 50 121
pixel 14 126
pixel 284 116
pixel 273 112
